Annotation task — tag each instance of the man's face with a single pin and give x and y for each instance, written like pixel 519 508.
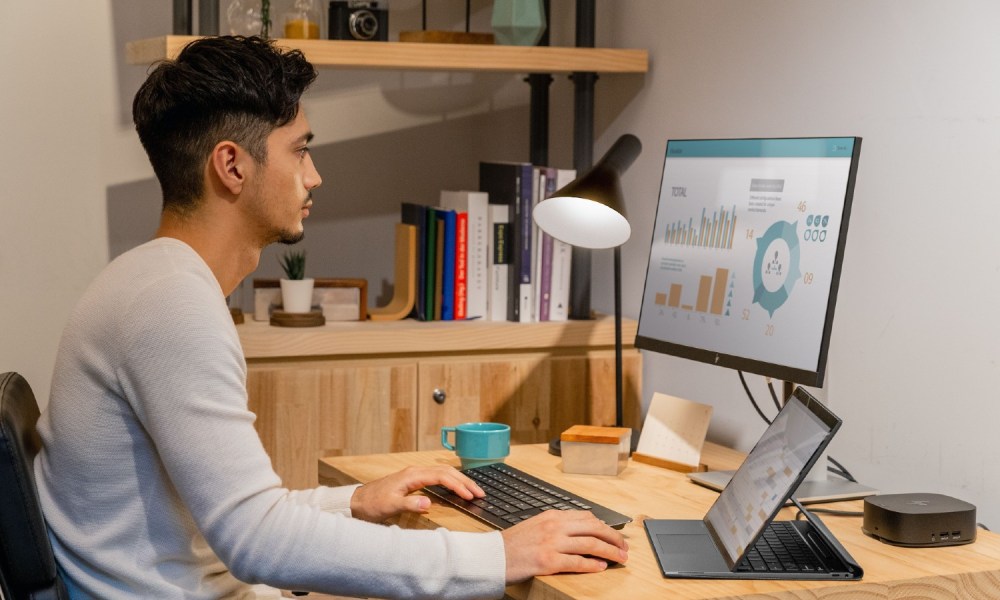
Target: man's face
pixel 282 186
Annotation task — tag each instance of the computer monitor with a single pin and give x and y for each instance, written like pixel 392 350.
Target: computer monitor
pixel 746 253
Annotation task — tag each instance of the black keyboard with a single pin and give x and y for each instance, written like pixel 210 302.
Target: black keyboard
pixel 513 496
pixel 782 548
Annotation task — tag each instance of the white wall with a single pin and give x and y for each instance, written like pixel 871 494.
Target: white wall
pixel 55 98
pixel 914 357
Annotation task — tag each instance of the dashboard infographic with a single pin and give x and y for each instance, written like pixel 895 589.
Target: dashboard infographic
pixel 746 249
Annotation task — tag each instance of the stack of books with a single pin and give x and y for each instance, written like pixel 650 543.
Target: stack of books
pixel 480 255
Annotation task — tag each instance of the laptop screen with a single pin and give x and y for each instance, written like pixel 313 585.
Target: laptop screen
pixel 770 473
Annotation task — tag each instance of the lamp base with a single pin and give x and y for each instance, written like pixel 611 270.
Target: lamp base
pixel 555 445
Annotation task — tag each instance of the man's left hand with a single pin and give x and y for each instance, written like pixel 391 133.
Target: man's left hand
pixel 389 496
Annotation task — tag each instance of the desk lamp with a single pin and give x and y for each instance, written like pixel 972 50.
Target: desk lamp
pixel 590 212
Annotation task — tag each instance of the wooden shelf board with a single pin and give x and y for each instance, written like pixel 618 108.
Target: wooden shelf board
pixel 430 57
pixel 359 338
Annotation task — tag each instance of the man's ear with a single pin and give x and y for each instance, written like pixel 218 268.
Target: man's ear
pixel 229 165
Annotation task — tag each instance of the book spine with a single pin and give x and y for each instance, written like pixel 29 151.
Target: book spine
pixel 476 205
pixel 562 262
pixel 545 279
pixel 438 263
pixel 430 269
pixel 525 227
pixel 499 262
pixel 461 264
pixel 448 265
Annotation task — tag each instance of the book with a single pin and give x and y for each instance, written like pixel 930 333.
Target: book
pixel 446 297
pixel 438 262
pixel 509 183
pixel 562 261
pixel 499 254
pixel 523 243
pixel 476 204
pixel 430 262
pixel 543 254
pixel 461 265
pixel 416 215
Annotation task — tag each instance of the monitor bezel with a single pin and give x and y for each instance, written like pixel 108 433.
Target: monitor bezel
pixel 801 376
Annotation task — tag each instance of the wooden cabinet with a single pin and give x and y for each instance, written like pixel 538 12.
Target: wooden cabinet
pixel 364 388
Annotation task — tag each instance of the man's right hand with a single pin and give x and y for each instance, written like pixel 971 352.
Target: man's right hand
pixel 557 541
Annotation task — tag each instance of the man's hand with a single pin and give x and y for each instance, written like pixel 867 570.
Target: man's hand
pixel 378 500
pixel 557 541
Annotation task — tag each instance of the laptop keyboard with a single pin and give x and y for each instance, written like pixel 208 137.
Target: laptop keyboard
pixel 513 496
pixel 781 548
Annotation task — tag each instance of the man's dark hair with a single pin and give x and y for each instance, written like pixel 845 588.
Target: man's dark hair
pixel 220 88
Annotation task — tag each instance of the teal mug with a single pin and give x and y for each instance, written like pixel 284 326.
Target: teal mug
pixel 478 444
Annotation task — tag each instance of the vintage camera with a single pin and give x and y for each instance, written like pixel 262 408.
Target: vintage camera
pixel 353 20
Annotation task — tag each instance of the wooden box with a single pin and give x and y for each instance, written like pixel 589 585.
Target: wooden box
pixel 592 450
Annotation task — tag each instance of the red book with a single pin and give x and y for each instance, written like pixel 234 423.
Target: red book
pixel 461 264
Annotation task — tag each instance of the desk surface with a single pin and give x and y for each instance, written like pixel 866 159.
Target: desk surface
pixel 643 491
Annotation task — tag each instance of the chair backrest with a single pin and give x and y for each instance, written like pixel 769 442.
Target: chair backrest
pixel 27 565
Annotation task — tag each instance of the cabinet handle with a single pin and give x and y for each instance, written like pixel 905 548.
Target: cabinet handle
pixel 440 396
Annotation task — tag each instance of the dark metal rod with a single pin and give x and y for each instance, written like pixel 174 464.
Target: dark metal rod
pixel 468 10
pixel 423 16
pixel 619 380
pixel 583 154
pixel 538 138
pixel 208 17
pixel 182 17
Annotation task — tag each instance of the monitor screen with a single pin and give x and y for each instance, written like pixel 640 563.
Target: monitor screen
pixel 746 253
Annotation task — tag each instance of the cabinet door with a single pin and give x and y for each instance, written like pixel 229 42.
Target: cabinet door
pixel 538 395
pixel 308 411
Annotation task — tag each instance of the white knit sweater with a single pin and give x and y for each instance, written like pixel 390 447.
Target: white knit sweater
pixel 154 482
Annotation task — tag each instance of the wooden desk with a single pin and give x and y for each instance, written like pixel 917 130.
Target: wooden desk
pixel 643 491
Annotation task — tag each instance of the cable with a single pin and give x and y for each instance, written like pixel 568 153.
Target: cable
pixel 983 526
pixel 774 395
pixel 831 511
pixel 750 396
pixel 843 471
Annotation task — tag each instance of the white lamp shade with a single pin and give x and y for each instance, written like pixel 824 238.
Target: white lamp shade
pixel 581 222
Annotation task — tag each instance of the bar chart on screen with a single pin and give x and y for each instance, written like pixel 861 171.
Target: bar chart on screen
pixel 714 295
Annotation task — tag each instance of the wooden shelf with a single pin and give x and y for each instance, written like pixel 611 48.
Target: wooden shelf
pixel 429 57
pixel 358 339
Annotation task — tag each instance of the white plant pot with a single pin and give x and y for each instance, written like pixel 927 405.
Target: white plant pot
pixel 296 295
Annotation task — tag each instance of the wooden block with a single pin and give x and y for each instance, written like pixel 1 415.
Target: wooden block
pixel 445 37
pixel 594 434
pixel 668 464
pixel 595 450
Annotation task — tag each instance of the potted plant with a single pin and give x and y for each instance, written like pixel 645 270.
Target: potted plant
pixel 296 289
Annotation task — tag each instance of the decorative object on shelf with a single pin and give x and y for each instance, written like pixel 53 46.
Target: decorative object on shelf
pixel 303 21
pixel 518 22
pixel 360 21
pixel 280 318
pixel 337 299
pixel 296 289
pixel 404 294
pixel 590 212
pixel 249 17
pixel 445 37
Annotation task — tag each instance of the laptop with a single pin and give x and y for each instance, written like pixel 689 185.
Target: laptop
pixel 739 538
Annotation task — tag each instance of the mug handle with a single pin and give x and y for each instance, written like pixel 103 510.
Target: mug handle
pixel 444 437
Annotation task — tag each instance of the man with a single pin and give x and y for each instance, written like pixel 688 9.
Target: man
pixel 153 481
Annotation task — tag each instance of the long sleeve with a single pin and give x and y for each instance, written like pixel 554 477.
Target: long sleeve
pixel 197 467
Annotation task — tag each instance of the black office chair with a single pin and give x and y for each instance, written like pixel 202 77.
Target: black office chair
pixel 27 565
